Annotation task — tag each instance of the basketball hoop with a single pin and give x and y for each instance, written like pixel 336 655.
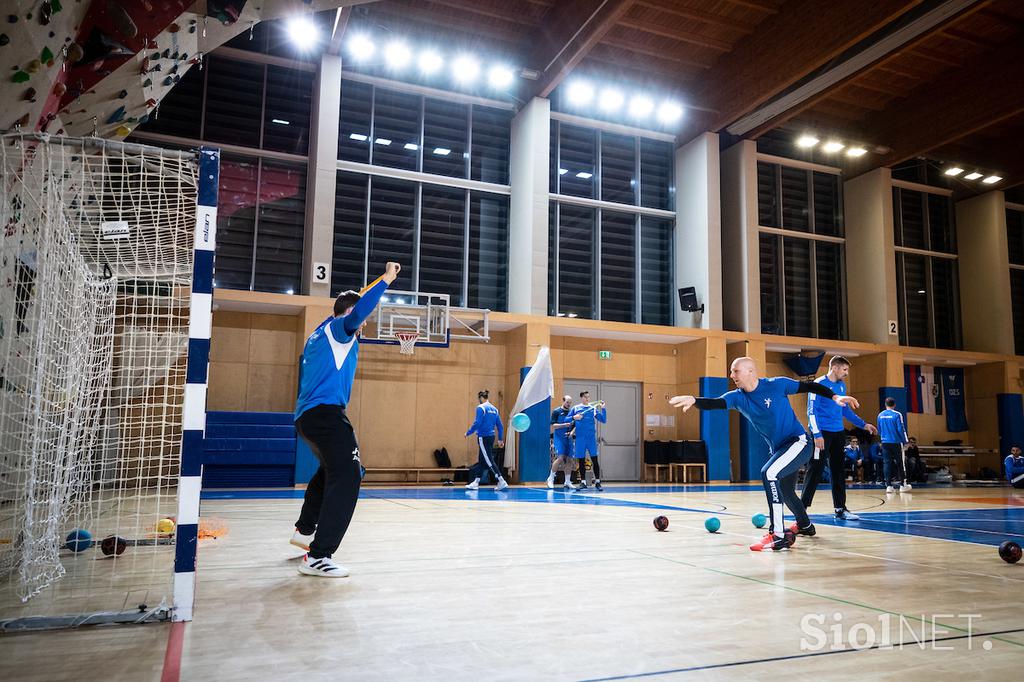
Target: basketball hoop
pixel 407 341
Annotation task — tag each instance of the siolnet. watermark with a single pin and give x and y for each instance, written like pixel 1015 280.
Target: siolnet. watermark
pixel 935 632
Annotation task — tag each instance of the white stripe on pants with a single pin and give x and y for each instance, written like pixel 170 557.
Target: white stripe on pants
pixel 772 477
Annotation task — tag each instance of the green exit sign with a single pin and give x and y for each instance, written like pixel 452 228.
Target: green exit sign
pixel 604 355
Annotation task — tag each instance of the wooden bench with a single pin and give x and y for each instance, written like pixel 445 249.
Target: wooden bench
pixel 657 468
pixel 407 471
pixel 685 469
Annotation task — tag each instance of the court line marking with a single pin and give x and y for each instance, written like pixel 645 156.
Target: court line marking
pixel 791 657
pixel 805 592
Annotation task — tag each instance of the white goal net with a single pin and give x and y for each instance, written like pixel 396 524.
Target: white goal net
pixel 95 275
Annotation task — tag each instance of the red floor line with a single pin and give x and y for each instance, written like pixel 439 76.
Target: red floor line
pixel 172 659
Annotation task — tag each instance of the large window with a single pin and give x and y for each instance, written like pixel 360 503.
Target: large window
pixel 413 132
pixel 260 221
pixel 610 225
pixel 927 279
pixel 449 240
pixel 1015 241
pixel 802 251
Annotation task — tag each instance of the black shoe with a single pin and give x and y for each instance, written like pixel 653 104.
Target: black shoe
pixel 809 530
pixel 597 486
pixel 582 486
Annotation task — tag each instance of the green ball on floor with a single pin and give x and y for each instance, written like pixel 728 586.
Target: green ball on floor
pixel 759 520
pixel 712 525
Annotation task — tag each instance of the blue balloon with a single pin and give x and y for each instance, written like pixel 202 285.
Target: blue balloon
pixel 78 540
pixel 520 422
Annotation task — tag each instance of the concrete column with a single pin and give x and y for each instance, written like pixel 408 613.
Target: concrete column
pixel 528 212
pixel 698 242
pixel 741 278
pixel 318 241
pixel 985 305
pixel 870 257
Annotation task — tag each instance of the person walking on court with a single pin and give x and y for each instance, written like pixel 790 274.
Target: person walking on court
pixel 1014 467
pixel 894 438
pixel 586 417
pixel 765 403
pixel 825 417
pixel 561 423
pixel 328 368
pixel 486 423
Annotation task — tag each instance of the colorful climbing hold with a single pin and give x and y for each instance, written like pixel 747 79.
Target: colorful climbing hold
pixel 122 94
pixel 33 66
pixel 20 76
pixel 46 56
pixel 148 82
pixel 30 94
pixel 59 89
pixel 75 53
pixel 123 131
pixel 168 81
pixel 117 116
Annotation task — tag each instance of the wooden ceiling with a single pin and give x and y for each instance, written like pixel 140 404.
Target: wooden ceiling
pixel 953 93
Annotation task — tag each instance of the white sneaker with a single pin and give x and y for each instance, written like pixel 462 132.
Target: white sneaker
pixel 889 489
pixel 569 486
pixel 324 568
pixel 502 484
pixel 551 484
pixel 474 485
pixel 847 515
pixel 301 541
pixel 904 488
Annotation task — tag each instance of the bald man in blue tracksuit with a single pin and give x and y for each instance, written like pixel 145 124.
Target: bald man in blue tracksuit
pixel 486 423
pixel 894 438
pixel 825 417
pixel 328 369
pixel 586 417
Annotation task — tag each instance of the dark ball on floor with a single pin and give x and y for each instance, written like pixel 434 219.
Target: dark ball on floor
pixel 1010 552
pixel 113 545
pixel 661 522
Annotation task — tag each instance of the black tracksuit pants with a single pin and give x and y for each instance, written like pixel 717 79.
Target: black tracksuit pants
pixel 835 443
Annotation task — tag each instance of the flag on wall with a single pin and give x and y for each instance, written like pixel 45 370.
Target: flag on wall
pixel 924 395
pixel 538 385
pixel 952 380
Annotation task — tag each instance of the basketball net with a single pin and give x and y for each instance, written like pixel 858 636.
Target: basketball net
pixel 407 340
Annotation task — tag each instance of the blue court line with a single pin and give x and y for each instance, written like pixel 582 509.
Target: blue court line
pixel 990 526
pixel 813 654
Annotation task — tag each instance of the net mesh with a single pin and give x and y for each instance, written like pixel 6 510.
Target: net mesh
pixel 407 342
pixel 95 277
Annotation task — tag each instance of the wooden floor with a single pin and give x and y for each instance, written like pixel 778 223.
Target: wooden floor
pixel 453 585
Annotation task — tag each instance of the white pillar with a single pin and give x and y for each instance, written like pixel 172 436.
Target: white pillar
pixel 528 212
pixel 741 280
pixel 870 257
pixel 985 304
pixel 321 178
pixel 698 234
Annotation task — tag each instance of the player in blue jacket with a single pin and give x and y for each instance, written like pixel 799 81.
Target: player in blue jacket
pixel 486 423
pixel 1014 467
pixel 825 417
pixel 765 403
pixel 328 368
pixel 562 444
pixel 586 416
pixel 894 438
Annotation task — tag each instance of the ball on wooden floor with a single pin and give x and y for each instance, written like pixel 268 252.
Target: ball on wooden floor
pixel 78 540
pixel 520 422
pixel 759 520
pixel 712 525
pixel 661 522
pixel 113 546
pixel 1010 552
pixel 165 526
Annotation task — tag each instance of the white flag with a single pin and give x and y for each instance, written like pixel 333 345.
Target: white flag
pixel 929 390
pixel 538 386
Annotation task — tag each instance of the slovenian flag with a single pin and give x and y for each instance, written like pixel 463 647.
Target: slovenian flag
pixel 923 393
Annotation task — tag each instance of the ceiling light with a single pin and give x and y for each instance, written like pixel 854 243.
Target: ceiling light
pixel 992 179
pixel 921 291
pixel 442 151
pixel 611 100
pixel 580 93
pixel 303 32
pixel 563 171
pixel 465 69
pixel 833 146
pixel 500 77
pixel 383 141
pixel 430 62
pixel 279 121
pixel 641 106
pixel 972 176
pixel 806 141
pixel 856 151
pixel 584 175
pixel 358 136
pixel 669 112
pixel 397 55
pixel 954 171
pixel 411 146
pixel 361 48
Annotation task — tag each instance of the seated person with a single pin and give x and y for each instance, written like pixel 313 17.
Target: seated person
pixel 852 457
pixel 914 463
pixel 1014 467
pixel 876 461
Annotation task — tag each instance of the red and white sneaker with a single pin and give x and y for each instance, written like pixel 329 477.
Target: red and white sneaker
pixel 809 531
pixel 774 542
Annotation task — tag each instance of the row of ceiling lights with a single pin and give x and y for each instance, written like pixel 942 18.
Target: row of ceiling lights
pixel 809 141
pixel 956 171
pixel 581 93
